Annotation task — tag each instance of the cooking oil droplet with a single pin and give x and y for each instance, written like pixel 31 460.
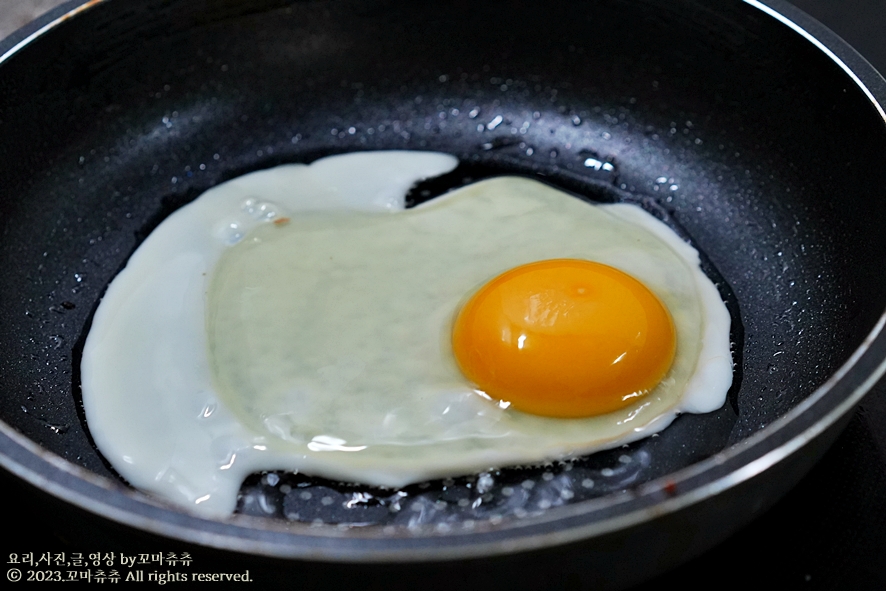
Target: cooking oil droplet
pixel 498 143
pixel 598 164
pixel 58 429
pixel 496 121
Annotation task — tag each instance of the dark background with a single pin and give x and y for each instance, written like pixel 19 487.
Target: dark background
pixel 827 533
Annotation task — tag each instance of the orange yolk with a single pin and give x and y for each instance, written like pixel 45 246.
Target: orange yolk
pixel 564 338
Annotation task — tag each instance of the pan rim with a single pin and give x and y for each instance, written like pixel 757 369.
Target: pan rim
pixel 562 525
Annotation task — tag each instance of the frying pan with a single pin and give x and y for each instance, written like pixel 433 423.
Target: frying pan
pixel 756 141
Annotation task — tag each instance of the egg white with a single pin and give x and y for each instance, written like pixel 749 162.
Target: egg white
pixel 320 344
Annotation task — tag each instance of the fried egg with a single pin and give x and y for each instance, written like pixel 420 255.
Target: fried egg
pixel 301 318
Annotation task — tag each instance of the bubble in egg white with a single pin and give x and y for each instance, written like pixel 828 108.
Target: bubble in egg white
pixel 298 319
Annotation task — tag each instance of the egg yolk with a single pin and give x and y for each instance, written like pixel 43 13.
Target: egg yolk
pixel 564 338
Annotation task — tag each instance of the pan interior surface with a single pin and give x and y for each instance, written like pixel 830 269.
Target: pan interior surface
pixel 743 137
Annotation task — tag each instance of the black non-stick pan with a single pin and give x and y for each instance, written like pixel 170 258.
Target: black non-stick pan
pixel 759 143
